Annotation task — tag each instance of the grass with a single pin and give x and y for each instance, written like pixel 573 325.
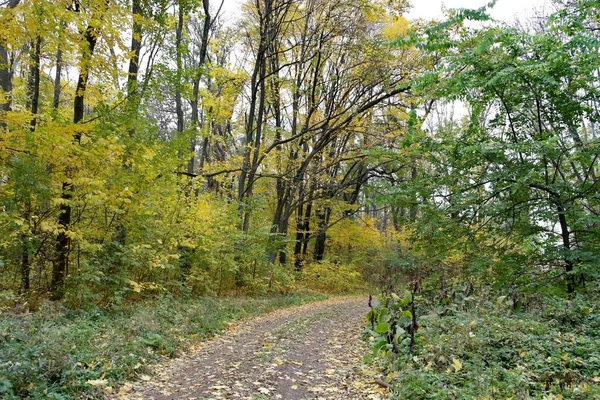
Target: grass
pixel 480 348
pixel 57 353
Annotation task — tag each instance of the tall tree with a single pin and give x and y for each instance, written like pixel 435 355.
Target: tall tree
pixel 6 64
pixel 62 247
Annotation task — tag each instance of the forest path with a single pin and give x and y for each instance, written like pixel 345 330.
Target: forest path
pixel 312 351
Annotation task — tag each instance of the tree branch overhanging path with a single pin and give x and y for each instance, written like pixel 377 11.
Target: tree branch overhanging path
pixel 310 351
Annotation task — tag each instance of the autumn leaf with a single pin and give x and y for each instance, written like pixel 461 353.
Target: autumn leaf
pixel 456 364
pixel 97 382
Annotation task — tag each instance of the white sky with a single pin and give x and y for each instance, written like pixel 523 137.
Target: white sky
pixel 505 10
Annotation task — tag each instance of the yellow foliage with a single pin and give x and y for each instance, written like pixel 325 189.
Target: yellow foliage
pixel 332 277
pixel 361 235
pixel 135 221
pixel 396 27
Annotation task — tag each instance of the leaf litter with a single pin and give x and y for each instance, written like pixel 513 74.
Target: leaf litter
pixel 312 351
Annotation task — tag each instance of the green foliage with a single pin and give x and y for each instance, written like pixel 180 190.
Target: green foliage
pixel 59 353
pixel 485 348
pixel 137 199
pixel 361 160
pixel 508 191
pixel 390 323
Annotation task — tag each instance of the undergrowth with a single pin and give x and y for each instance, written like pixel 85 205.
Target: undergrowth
pixel 489 347
pixel 57 353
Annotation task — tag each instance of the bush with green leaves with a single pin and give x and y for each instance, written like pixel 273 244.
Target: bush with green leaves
pixel 391 325
pixel 485 348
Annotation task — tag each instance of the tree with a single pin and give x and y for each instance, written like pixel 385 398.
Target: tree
pixel 521 167
pixel 5 61
pixel 90 38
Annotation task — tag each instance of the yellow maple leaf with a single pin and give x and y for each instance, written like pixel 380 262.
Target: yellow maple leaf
pixel 97 382
pixel 456 364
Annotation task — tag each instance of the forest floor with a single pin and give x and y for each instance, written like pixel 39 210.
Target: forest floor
pixel 313 351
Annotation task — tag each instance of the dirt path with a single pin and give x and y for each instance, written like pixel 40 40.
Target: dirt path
pixel 307 352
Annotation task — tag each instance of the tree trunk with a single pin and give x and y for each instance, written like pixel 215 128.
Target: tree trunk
pixel 566 240
pixel 323 215
pixel 134 61
pixel 256 148
pixel 279 226
pixel 33 97
pixel 6 71
pixel 62 247
pixel 133 98
pixel 303 230
pixel 195 120
pixel 56 96
pixel 255 117
pixel 395 214
pixel 33 88
pixel 178 60
pixel 25 251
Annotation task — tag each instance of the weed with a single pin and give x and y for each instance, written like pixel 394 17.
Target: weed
pixel 57 353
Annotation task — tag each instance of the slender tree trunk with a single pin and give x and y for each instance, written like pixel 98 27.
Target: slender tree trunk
pixel 395 213
pixel 298 261
pixel 279 225
pixel 62 247
pixel 57 88
pixel 133 99
pixel 179 62
pixel 25 259
pixel 184 264
pixel 134 61
pixel 323 215
pixel 25 250
pixel 33 97
pixel 204 158
pixel 303 229
pixel 5 78
pixel 256 150
pixel 195 119
pixel 307 216
pixel 255 121
pixel 6 71
pixel 91 38
pixel 566 240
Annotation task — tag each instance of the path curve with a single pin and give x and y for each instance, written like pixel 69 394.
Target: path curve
pixel 313 351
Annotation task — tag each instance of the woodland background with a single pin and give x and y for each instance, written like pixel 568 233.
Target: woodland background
pixel 150 149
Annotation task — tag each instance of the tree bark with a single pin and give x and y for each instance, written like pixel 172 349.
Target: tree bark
pixel 195 120
pixel 254 125
pixel 303 231
pixel 279 225
pixel 134 64
pixel 566 241
pixel 25 251
pixel 323 216
pixel 63 242
pixel 178 60
pixel 136 47
pixel 6 70
pixel 57 75
pixel 33 84
pixel 33 97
